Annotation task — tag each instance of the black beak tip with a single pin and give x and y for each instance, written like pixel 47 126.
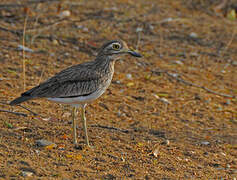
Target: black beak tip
pixel 133 53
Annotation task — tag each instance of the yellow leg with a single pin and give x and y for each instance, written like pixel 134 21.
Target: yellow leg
pixel 74 125
pixel 84 124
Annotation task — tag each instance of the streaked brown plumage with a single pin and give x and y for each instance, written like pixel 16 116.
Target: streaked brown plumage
pixel 82 83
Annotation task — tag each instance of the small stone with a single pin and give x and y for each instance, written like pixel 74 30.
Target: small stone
pixel 156 152
pixel 26 173
pixel 55 42
pixel 193 54
pixel 116 82
pixel 67 54
pixel 151 27
pixel 139 29
pixel 66 115
pixel 65 13
pixel 193 35
pixel 119 113
pixel 205 143
pixel 20 48
pixel 43 143
pixel 166 142
pixel 83 28
pixel 164 100
pixel 168 19
pixel 178 62
pixel 129 76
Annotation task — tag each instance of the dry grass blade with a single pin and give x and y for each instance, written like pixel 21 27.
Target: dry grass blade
pixel 16 113
pixel 110 128
pixel 179 79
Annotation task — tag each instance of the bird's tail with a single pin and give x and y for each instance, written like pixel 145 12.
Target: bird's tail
pixel 20 100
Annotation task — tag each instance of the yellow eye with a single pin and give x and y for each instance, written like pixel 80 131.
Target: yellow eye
pixel 116 46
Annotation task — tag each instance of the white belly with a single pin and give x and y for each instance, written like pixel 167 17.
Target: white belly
pixel 80 99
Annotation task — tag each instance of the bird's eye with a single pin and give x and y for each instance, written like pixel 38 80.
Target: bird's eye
pixel 116 46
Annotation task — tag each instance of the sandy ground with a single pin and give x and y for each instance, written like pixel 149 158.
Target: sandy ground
pixel 174 109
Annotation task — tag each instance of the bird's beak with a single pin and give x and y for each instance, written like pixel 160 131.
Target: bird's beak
pixel 133 53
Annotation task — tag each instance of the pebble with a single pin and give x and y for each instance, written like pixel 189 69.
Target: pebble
pixel 193 54
pixel 193 35
pixel 205 143
pixel 20 48
pixel 129 76
pixel 119 113
pixel 66 115
pixel 26 173
pixel 178 62
pixel 55 42
pixel 82 28
pixel 117 82
pixel 156 152
pixel 139 29
pixel 43 143
pixel 166 142
pixel 65 13
pixel 164 100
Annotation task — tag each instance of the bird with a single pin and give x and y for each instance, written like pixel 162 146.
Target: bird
pixel 81 84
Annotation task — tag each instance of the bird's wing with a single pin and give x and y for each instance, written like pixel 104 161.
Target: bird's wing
pixel 78 80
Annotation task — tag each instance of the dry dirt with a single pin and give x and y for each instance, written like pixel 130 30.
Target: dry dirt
pixel 172 130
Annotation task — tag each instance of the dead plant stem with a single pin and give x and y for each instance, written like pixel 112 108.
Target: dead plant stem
pixel 23 53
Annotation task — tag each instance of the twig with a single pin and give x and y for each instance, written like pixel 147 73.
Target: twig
pixel 110 128
pixel 11 31
pixel 16 113
pixel 229 43
pixel 179 79
pixel 138 30
pixel 41 75
pixel 23 52
pixel 35 114
pixel 45 27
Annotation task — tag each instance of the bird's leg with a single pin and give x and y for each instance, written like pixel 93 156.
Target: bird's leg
pixel 74 125
pixel 84 124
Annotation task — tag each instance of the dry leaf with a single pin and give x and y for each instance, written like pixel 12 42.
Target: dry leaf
pixel 51 146
pixel 130 84
pixel 231 15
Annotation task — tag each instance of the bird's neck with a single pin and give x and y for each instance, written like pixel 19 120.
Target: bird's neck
pixel 105 64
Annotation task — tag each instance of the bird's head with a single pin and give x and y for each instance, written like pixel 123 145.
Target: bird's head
pixel 115 49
